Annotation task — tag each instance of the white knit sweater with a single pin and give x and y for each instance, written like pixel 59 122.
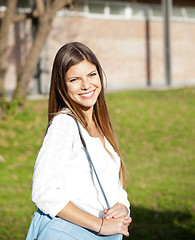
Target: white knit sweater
pixel 62 172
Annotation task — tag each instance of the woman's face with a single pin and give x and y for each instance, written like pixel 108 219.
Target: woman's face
pixel 83 84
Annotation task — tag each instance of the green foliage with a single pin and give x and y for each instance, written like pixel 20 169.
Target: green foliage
pixel 156 135
pixel 10 107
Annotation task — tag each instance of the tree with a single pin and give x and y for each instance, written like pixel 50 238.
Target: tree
pixel 4 31
pixel 45 11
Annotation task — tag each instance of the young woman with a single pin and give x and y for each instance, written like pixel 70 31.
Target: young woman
pixel 63 182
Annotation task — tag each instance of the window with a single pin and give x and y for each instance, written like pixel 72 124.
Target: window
pixel 190 11
pixel 117 9
pixel 176 12
pixel 80 7
pixel 156 10
pixel 128 11
pixel 138 10
pixel 95 7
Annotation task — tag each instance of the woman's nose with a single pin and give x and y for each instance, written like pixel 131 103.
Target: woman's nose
pixel 85 84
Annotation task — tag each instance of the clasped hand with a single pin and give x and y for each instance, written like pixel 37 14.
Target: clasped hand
pixel 116 220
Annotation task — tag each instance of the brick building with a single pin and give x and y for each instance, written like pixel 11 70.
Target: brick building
pixel 119 32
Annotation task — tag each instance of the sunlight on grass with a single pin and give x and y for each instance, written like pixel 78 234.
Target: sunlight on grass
pixel 156 134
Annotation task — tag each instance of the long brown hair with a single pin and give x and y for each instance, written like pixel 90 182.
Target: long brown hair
pixel 67 56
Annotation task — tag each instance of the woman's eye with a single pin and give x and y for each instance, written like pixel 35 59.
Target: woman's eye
pixel 73 80
pixel 93 74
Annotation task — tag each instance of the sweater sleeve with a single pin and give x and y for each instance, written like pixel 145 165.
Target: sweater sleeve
pixel 49 178
pixel 122 197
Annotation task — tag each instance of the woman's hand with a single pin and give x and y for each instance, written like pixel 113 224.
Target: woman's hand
pixel 116 218
pixel 116 226
pixel 117 211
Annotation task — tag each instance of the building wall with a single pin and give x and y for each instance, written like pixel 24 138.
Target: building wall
pixel 121 48
pixel 116 43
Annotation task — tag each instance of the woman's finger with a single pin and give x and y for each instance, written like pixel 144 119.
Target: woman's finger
pixel 118 210
pixel 105 210
pixel 127 220
pixel 112 213
pixel 119 214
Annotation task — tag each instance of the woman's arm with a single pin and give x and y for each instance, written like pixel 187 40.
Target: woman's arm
pixel 74 214
pixel 49 187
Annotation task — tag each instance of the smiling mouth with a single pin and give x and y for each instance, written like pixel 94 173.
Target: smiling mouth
pixel 88 94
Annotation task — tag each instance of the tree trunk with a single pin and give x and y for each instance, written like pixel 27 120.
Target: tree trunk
pixel 27 70
pixel 46 15
pixel 45 11
pixel 4 32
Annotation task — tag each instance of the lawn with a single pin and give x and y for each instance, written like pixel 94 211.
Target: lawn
pixel 156 133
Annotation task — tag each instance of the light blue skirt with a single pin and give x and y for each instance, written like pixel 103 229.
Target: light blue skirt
pixel 43 227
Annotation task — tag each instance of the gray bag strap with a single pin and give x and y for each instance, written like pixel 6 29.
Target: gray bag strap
pixel 90 161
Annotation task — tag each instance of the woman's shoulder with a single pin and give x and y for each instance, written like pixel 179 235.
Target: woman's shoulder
pixel 62 116
pixel 62 121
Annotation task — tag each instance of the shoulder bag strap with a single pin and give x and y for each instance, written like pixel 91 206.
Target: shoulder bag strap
pixel 90 161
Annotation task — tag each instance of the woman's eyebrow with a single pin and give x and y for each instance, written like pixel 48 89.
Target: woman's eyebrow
pixel 95 70
pixel 70 78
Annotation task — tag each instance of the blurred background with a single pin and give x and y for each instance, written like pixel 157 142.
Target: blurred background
pixel 129 37
pixel 146 48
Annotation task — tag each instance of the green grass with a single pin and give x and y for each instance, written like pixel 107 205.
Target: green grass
pixel 156 133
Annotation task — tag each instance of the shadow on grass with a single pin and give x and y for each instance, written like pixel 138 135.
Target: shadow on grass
pixel 147 225
pixel 167 225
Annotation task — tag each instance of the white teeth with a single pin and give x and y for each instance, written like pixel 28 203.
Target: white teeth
pixel 88 94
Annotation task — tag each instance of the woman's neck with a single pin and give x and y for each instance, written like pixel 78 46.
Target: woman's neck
pixel 88 115
pixel 92 127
